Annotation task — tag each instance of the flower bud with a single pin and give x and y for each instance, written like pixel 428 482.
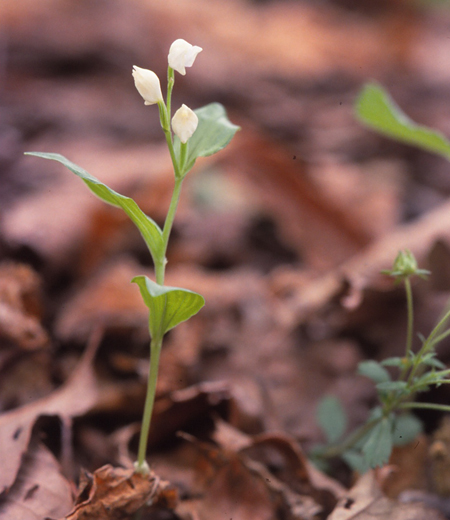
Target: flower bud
pixel 184 123
pixel 182 54
pixel 148 86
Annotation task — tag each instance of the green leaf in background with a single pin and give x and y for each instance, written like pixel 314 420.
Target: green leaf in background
pixel 168 306
pixel 356 461
pixel 373 370
pixel 393 362
pixel 150 231
pixel 392 386
pixel 376 109
pixel 378 446
pixel 214 132
pixel 331 418
pixel 406 428
pixel 430 360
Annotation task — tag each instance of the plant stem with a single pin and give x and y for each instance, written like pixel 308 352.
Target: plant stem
pixel 170 217
pixel 409 328
pixel 160 269
pixel 155 351
pixel 339 449
pixel 156 343
pixel 429 406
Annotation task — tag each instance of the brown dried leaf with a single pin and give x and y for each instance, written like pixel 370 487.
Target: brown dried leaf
pixel 40 490
pixel 365 501
pixel 236 475
pixel 117 493
pixel 108 298
pixel 347 283
pixel 20 307
pixel 74 398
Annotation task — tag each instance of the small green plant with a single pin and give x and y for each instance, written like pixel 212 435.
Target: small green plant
pixel 390 423
pixel 189 135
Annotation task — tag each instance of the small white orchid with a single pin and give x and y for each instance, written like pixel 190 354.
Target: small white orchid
pixel 182 54
pixel 148 85
pixel 184 123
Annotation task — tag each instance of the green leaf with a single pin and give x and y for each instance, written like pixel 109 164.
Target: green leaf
pixel 406 428
pixel 373 370
pixel 378 446
pixel 150 231
pixel 331 418
pixel 376 109
pixel 168 306
pixel 430 360
pixel 356 461
pixel 213 133
pixel 393 362
pixel 392 386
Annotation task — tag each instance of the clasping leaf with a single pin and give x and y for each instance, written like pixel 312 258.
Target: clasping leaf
pixel 168 306
pixel 213 133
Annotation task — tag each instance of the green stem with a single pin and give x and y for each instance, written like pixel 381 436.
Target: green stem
pixel 171 213
pixel 428 344
pixel 429 406
pixel 155 349
pixel 338 449
pixel 160 269
pixel 410 326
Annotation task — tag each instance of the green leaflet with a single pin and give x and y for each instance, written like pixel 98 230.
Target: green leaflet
pixel 406 428
pixel 378 446
pixel 376 109
pixel 150 231
pixel 331 418
pixel 168 306
pixel 373 370
pixel 213 133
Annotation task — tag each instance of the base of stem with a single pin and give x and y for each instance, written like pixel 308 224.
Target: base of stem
pixel 143 469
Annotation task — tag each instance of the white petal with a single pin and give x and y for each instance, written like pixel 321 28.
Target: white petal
pixel 148 85
pixel 184 123
pixel 182 54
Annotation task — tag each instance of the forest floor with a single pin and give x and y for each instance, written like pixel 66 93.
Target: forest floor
pixel 284 233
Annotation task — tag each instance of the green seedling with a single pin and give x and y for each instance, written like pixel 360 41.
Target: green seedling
pixel 189 134
pixel 390 423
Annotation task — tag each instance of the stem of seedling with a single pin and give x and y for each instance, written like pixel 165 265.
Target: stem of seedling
pixel 160 269
pixel 155 351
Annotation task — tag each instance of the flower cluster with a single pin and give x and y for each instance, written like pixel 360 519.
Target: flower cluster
pixel 181 55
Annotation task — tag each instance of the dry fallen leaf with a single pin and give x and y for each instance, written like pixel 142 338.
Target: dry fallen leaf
pixel 117 493
pixel 74 398
pixel 259 477
pixel 365 501
pixel 20 307
pixel 40 490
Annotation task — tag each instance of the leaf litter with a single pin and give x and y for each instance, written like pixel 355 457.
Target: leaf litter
pixel 294 299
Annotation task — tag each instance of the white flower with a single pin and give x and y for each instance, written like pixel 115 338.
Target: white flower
pixel 184 123
pixel 148 86
pixel 182 54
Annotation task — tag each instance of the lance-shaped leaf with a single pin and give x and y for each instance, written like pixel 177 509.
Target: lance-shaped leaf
pixel 376 109
pixel 150 231
pixel 213 133
pixel 168 306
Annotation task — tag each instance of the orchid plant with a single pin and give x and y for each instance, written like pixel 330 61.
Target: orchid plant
pixel 189 134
